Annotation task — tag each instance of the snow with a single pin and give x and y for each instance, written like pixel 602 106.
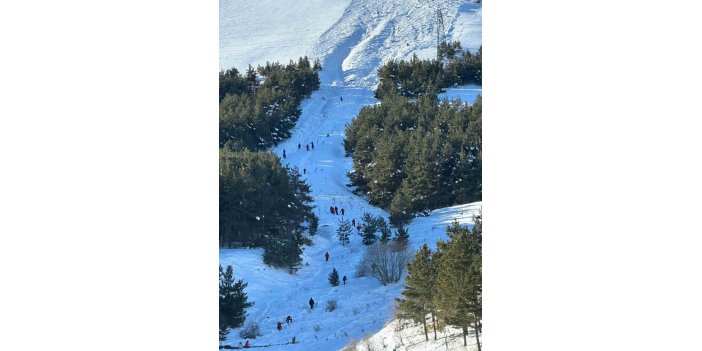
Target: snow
pixel 404 336
pixel 352 38
pixel 467 93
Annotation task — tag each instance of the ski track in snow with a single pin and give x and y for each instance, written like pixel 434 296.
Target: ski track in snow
pixel 365 35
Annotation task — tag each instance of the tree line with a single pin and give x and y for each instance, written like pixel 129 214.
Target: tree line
pixel 446 284
pixel 258 109
pixel 414 156
pixel 414 77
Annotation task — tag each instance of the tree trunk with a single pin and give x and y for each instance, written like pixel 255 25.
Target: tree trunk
pixel 433 321
pixel 465 331
pixel 426 333
pixel 477 328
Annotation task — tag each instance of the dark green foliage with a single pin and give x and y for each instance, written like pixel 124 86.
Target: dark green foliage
pixel 255 116
pixel 384 232
pixel 314 224
pixel 334 277
pixel 370 226
pixel 459 278
pixel 259 199
pixel 417 77
pixel 283 252
pixel 233 301
pixel 412 157
pixel 401 236
pixel 420 288
pixel 344 231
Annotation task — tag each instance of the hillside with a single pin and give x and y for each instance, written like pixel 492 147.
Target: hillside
pixel 352 39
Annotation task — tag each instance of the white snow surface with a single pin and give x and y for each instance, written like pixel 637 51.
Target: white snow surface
pixel 352 38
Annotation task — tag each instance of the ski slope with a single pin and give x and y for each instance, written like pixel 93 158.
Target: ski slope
pixel 352 39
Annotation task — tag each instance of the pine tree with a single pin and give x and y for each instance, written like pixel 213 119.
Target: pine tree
pixel 344 231
pixel 334 278
pixel 370 226
pixel 401 236
pixel 384 232
pixel 314 224
pixel 459 278
pixel 233 301
pixel 420 289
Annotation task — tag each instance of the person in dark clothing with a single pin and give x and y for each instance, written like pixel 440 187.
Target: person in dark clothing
pixel 293 340
pixel 304 171
pixel 311 303
pixel 359 229
pixel 280 326
pixel 341 97
pixel 342 211
pixel 326 256
pixel 288 320
pixel 331 209
pixel 246 346
pixel 298 146
pixel 353 222
pixel 284 153
pixel 312 145
pixel 308 147
pixel 336 210
pixel 344 279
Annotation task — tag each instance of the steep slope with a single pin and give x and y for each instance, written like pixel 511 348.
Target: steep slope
pixel 351 49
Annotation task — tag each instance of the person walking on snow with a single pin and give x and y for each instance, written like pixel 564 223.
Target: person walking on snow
pixel 342 211
pixel 298 146
pixel 304 171
pixel 312 145
pixel 353 222
pixel 280 326
pixel 344 280
pixel 326 256
pixel 336 210
pixel 311 303
pixel 288 320
pixel 283 153
pixel 308 147
pixel 341 97
pixel 331 209
pixel 246 346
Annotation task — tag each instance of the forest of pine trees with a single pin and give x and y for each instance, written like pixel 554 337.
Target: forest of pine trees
pixel 258 109
pixel 416 77
pixel 410 157
pixel 261 202
pixel 446 284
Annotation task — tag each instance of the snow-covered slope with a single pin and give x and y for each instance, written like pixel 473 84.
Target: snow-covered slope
pixel 352 38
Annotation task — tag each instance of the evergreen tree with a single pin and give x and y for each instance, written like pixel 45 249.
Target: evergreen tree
pixel 344 231
pixel 314 224
pixel 401 236
pixel 370 226
pixel 384 232
pixel 334 277
pixel 459 278
pixel 233 301
pixel 420 289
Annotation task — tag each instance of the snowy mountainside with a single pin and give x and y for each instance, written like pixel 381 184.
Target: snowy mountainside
pixel 352 38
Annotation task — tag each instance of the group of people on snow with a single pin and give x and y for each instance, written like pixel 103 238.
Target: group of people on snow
pixel 335 210
pixel 307 147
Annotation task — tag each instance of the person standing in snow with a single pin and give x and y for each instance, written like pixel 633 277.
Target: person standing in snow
pixel 304 171
pixel 359 229
pixel 308 147
pixel 344 279
pixel 283 153
pixel 312 145
pixel 353 222
pixel 311 303
pixel 280 325
pixel 246 346
pixel 341 97
pixel 326 256
pixel 342 211
pixel 336 210
pixel 331 209
pixel 293 340
pixel 298 146
pixel 288 320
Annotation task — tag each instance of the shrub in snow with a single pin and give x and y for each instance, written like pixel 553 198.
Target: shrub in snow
pixel 331 305
pixel 250 331
pixel 385 262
